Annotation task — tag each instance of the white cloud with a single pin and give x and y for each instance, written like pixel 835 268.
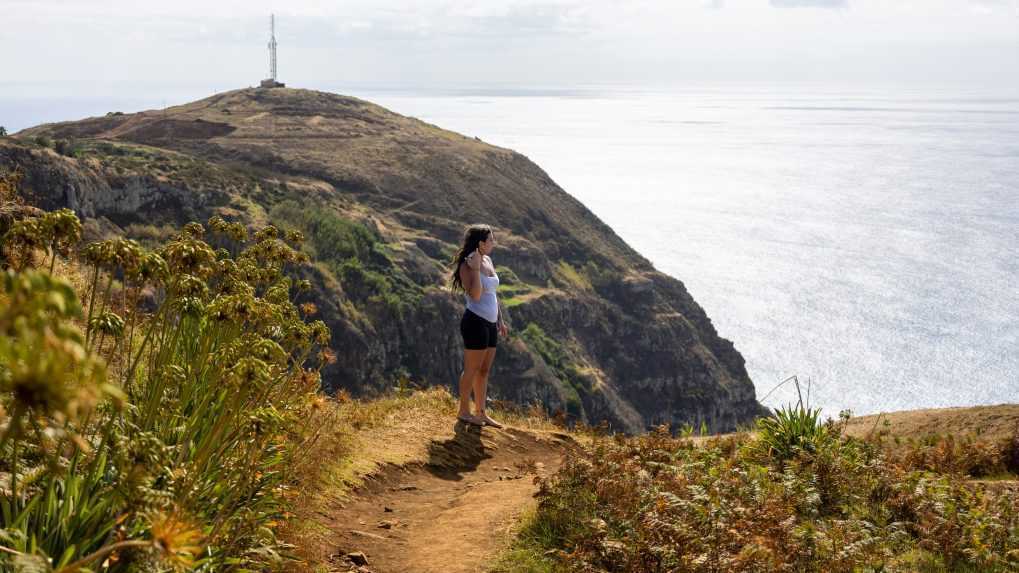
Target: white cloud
pixel 810 3
pixel 995 6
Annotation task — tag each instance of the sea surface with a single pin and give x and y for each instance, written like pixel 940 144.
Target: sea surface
pixel 864 239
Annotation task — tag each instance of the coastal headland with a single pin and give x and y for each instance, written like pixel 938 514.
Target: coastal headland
pixel 598 333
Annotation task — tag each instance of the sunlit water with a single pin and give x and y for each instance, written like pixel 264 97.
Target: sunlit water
pixel 867 240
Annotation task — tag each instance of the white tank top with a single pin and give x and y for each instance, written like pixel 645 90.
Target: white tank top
pixel 488 307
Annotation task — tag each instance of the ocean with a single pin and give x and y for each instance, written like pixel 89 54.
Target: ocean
pixel 863 239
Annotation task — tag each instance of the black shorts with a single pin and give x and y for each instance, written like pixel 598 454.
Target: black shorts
pixel 478 333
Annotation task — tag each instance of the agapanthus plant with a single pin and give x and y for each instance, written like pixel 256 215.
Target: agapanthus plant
pixel 161 435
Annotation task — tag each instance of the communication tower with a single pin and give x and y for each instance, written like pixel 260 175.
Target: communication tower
pixel 271 82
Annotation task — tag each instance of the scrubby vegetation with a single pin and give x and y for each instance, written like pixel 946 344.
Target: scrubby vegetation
pixel 355 254
pixel 794 496
pixel 512 295
pixel 557 358
pixel 569 277
pixel 153 402
pixel 512 290
pixel 67 147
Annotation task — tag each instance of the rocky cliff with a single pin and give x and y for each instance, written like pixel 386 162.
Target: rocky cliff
pixel 383 198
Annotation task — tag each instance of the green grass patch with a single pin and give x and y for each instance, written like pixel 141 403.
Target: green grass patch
pixel 527 554
pixel 513 294
pixel 567 276
pixel 507 276
pixel 330 236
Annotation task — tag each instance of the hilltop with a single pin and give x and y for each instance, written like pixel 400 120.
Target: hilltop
pixel 383 198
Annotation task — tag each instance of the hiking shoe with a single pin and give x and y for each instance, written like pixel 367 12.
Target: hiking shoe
pixel 469 419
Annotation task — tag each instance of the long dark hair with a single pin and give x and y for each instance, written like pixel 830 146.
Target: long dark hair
pixel 472 236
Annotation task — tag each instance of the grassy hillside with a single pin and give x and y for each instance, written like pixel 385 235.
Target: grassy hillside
pixel 988 423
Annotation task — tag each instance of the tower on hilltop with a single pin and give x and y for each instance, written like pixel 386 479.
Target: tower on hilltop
pixel 271 82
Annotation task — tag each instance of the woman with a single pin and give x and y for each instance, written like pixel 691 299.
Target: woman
pixel 482 324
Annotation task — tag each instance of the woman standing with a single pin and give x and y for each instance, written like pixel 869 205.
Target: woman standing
pixel 481 325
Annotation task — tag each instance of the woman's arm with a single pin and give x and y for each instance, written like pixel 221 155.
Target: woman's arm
pixel 471 279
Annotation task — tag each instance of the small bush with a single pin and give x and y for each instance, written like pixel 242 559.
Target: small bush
pixel 793 430
pixel 601 278
pixel 1010 453
pixel 67 147
pixel 966 456
pixel 9 183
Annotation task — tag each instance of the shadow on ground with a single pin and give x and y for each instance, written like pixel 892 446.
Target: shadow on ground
pixel 451 458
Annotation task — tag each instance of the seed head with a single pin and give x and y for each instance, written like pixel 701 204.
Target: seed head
pixel 108 323
pixel 178 542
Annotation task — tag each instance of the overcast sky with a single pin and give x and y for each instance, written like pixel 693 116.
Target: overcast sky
pixel 130 45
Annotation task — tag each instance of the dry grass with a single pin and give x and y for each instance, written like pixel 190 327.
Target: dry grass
pixel 990 423
pixel 738 503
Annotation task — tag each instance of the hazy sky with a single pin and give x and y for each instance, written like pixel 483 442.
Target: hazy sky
pixel 130 45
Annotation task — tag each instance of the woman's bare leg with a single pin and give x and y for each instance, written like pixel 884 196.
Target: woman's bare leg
pixel 481 385
pixel 473 359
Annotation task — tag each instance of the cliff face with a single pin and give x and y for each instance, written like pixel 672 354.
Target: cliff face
pixel 384 199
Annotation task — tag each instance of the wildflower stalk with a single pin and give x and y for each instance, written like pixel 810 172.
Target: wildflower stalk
pixel 91 302
pixel 156 321
pixel 102 553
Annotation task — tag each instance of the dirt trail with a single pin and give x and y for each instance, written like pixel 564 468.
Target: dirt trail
pixel 452 514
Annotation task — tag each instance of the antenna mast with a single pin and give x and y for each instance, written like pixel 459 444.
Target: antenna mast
pixel 271 82
pixel 272 47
